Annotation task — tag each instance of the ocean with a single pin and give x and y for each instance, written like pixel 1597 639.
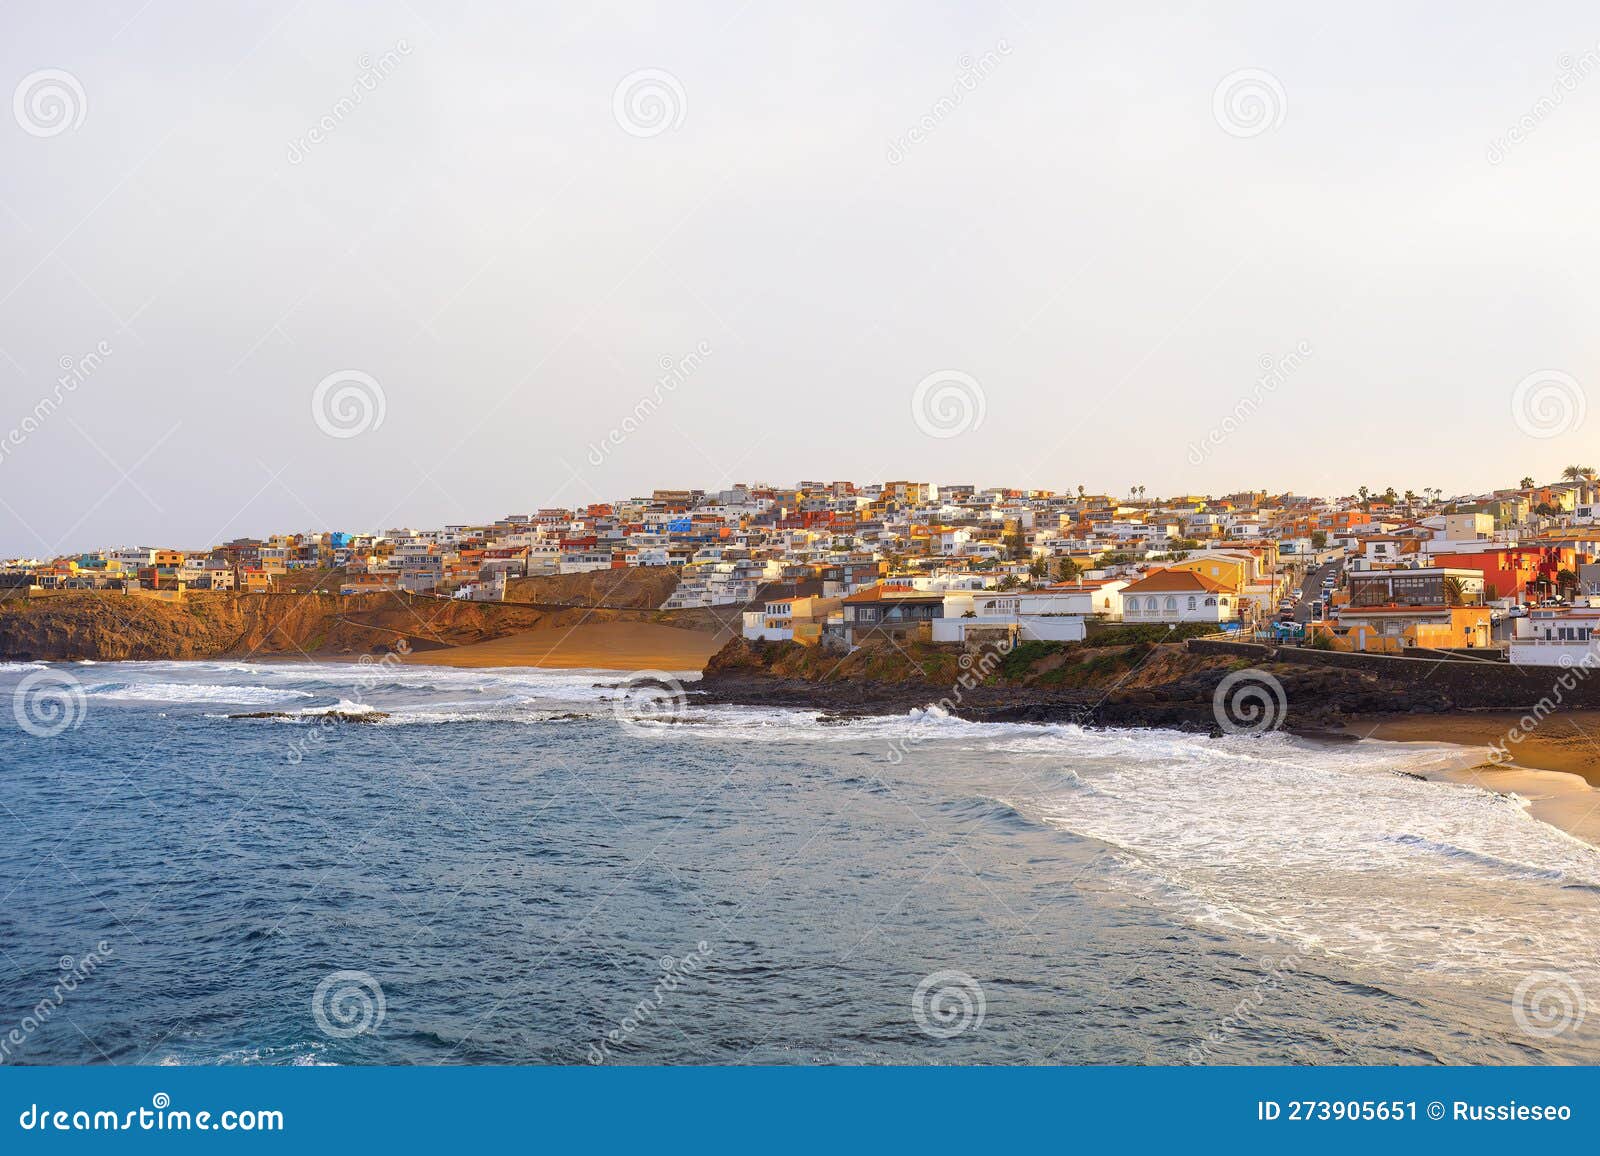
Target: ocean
pixel 513 867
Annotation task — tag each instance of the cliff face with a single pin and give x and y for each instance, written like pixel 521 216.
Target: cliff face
pixel 114 627
pixel 630 588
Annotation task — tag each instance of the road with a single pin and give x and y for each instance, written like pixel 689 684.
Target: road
pixel 1311 590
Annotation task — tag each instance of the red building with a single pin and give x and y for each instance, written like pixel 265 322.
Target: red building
pixel 1514 571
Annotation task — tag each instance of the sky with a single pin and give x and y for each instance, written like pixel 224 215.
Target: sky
pixel 312 266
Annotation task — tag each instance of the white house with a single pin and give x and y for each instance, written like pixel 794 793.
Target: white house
pixel 1172 596
pixel 1565 636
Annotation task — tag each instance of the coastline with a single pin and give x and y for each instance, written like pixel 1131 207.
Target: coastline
pixel 1556 771
pixel 1556 767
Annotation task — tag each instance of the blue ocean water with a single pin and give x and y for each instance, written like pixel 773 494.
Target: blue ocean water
pixel 509 869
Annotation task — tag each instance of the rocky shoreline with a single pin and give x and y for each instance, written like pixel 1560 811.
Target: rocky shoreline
pixel 1148 686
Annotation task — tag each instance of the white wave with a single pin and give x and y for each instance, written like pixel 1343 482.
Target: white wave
pixel 185 692
pixel 343 706
pixel 1328 849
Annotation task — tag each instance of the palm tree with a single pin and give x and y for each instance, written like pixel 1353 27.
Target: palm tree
pixel 1453 592
pixel 1527 483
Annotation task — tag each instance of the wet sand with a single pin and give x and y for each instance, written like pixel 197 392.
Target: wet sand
pixel 1554 765
pixel 600 645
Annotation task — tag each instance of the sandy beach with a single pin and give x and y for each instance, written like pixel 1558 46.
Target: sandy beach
pixel 601 645
pixel 1555 767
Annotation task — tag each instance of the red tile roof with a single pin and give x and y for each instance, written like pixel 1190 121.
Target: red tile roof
pixel 1176 581
pixel 892 593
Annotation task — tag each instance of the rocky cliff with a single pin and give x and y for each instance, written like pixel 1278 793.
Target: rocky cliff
pixel 113 627
pixel 1130 685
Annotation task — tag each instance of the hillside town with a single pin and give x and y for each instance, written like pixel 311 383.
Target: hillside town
pixel 1513 573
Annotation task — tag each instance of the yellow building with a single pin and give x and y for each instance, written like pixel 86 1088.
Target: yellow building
pixel 1231 572
pixel 1393 629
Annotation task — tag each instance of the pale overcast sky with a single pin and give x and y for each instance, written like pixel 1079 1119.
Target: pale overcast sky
pixel 1095 223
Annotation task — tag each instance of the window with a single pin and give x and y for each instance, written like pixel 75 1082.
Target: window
pixel 1172 603
pixel 1191 602
pixel 1150 604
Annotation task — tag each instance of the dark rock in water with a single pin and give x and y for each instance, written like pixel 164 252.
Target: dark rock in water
pixel 637 684
pixel 334 715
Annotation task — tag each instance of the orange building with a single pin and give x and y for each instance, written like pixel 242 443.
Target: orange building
pixel 1513 571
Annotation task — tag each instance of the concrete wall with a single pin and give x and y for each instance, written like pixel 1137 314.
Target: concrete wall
pixel 1470 685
